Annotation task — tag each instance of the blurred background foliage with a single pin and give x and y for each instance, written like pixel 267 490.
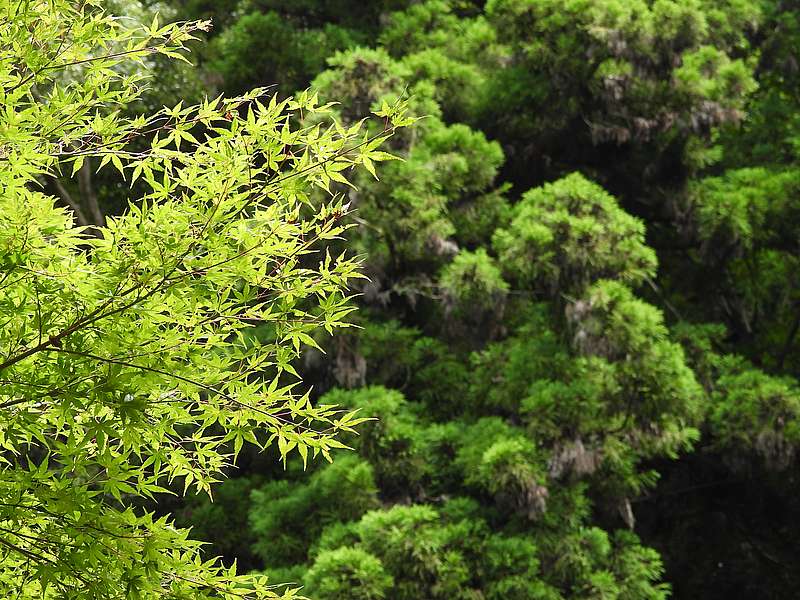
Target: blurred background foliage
pixel 579 334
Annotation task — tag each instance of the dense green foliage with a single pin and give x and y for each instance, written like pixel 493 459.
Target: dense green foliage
pixel 127 360
pixel 578 331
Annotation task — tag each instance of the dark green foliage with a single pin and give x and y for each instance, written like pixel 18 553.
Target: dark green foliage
pixel 450 553
pixel 473 280
pixel 756 413
pixel 580 333
pixel 633 69
pixel 284 517
pixel 286 56
pixel 225 520
pixel 348 574
pixel 569 233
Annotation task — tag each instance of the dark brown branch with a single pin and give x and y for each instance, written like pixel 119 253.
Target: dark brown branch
pixel 66 197
pixel 88 194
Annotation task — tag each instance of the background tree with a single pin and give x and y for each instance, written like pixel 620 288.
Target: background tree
pixel 579 332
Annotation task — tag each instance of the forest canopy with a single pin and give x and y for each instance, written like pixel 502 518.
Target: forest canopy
pixel 565 357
